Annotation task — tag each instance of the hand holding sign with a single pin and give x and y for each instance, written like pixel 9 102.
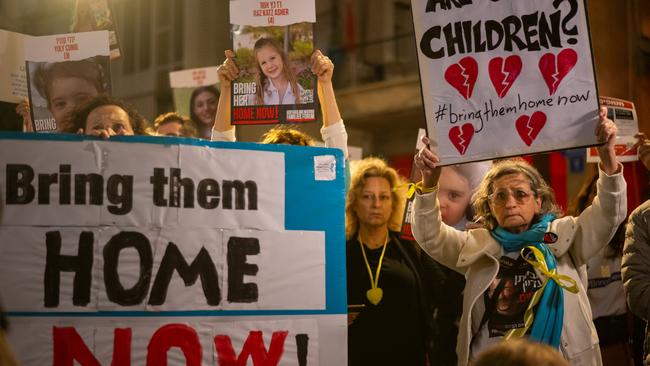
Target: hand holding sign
pixel 228 70
pixel 427 162
pixel 23 110
pixel 644 149
pixel 606 133
pixel 322 67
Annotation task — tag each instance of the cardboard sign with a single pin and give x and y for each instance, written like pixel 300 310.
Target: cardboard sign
pixel 95 15
pixel 207 251
pixel 64 71
pixel 273 42
pixel 13 81
pixel 263 13
pixel 505 77
pixel 623 113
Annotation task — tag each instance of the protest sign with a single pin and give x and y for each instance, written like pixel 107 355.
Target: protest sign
pixel 505 77
pixel 273 42
pixel 623 113
pixel 64 71
pixel 187 87
pixel 13 81
pixel 95 15
pixel 215 252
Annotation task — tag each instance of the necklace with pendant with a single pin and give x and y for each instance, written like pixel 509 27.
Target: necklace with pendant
pixel 375 293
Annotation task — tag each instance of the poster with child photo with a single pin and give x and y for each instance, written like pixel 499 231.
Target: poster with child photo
pixel 63 72
pixel 273 42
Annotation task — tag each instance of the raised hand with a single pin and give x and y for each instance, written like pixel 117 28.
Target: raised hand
pixel 322 67
pixel 644 149
pixel 228 70
pixel 606 134
pixel 427 162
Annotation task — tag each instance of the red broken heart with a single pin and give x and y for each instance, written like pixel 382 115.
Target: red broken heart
pixel 554 69
pixel 461 136
pixel 462 76
pixel 503 73
pixel 529 127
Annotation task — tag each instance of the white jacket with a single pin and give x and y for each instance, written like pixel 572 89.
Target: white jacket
pixel 476 254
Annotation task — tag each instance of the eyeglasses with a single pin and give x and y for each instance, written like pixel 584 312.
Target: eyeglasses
pixel 500 197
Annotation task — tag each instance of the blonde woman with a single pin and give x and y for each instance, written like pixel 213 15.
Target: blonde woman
pixel 389 280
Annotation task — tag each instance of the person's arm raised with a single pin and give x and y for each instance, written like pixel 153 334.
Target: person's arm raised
pixel 323 68
pixel 333 131
pixel 606 133
pixel 228 72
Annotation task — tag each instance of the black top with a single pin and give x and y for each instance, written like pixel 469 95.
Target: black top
pixel 398 330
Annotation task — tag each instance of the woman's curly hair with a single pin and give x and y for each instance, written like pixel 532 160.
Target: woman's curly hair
pixel 78 121
pixel 288 136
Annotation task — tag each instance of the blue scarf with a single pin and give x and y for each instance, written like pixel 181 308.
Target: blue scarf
pixel 548 321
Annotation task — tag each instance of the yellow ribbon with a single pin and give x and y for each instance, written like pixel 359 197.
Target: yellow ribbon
pixel 563 281
pixel 539 262
pixel 413 187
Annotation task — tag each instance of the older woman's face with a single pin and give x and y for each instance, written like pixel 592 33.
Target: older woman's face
pixel 375 204
pixel 513 202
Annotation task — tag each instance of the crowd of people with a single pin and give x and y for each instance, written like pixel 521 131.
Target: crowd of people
pixel 498 274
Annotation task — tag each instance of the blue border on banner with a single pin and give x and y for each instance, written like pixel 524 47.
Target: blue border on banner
pixel 309 205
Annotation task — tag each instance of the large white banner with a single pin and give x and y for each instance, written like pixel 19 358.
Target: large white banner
pixel 146 250
pixel 505 77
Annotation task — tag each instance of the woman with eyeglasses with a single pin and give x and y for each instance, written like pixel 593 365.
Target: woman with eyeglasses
pixel 525 270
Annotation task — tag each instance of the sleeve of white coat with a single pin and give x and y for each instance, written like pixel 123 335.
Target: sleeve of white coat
pixel 227 136
pixel 335 135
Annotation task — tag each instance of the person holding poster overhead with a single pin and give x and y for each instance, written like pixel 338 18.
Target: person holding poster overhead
pixel 333 131
pixel 390 281
pixel 525 270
